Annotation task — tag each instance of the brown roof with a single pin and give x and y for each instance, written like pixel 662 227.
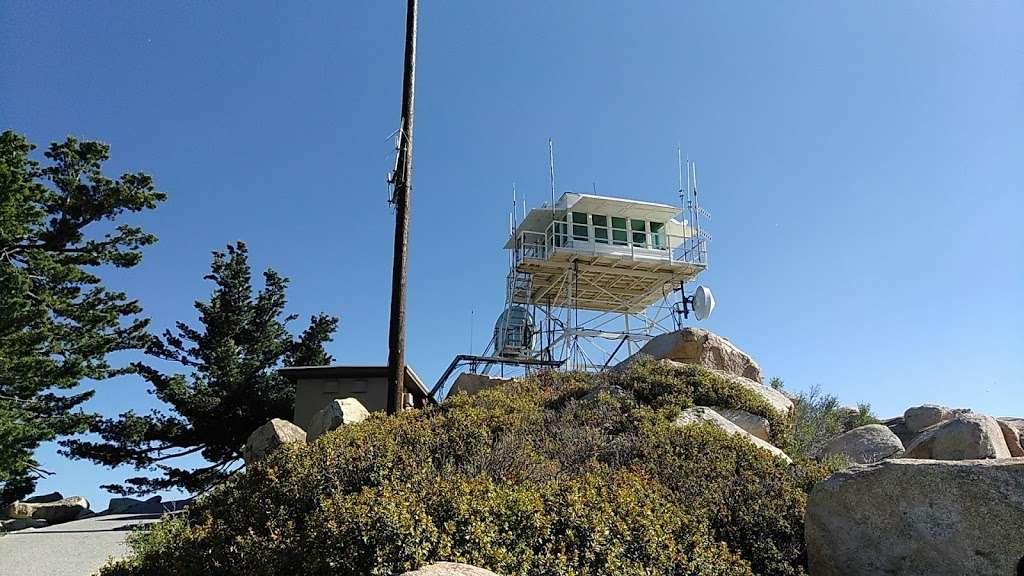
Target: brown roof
pixel 413 383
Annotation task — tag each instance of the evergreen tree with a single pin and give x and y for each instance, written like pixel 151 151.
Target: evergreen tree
pixel 231 385
pixel 58 322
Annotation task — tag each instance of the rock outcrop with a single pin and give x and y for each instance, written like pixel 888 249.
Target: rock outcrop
pixel 54 512
pixel 470 383
pixel 918 518
pixel 699 346
pixel 449 569
pixel 918 418
pixel 44 498
pixel 15 524
pixel 269 437
pixel 967 436
pixel 153 505
pixel 899 428
pixel 865 444
pixel 752 423
pixel 698 414
pixel 335 415
pixel 1013 428
pixel 779 401
pixel 1012 438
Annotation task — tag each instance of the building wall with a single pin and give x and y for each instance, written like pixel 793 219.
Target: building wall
pixel 311 395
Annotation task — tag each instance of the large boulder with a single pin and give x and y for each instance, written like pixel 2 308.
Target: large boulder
pixel 752 423
pixel 449 569
pixel 335 415
pixel 918 518
pixel 899 427
pixel 865 444
pixel 699 414
pixel 43 498
pixel 699 346
pixel 918 418
pixel 779 401
pixel 269 437
pixel 1013 428
pixel 966 437
pixel 63 510
pixel 1012 437
pixel 153 505
pixel 21 524
pixel 471 383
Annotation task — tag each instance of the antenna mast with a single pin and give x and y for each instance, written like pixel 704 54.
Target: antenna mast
pixel 403 191
pixel 551 172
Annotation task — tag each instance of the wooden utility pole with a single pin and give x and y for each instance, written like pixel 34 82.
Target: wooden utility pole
pixel 403 191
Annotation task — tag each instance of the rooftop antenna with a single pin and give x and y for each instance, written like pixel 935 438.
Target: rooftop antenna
pixel 551 172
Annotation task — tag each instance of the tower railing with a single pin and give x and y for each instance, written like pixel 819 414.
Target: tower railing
pixel 540 246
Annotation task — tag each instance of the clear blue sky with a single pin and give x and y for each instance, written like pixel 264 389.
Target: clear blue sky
pixel 863 161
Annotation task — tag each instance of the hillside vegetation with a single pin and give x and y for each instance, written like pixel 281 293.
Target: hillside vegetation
pixel 557 473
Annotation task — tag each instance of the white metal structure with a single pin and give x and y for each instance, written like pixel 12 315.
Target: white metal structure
pixel 598 275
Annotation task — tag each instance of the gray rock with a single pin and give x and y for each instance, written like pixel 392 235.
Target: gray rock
pixel 44 498
pixel 1016 425
pixel 899 428
pixel 966 437
pixel 450 569
pixel 269 437
pixel 699 414
pixel 779 401
pixel 918 518
pixel 53 512
pixel 134 506
pixel 920 417
pixel 611 390
pixel 699 346
pixel 335 415
pixel 1012 437
pixel 470 383
pixel 865 444
pixel 752 423
pixel 21 524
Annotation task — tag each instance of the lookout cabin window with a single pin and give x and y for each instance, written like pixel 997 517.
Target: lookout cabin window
pixel 619 237
pixel 579 227
pixel 639 229
pixel 600 228
pixel 658 239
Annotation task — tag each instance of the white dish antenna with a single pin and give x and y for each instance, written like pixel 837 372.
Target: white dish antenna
pixel 703 302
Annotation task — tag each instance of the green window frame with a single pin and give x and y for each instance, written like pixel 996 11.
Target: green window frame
pixel 600 223
pixel 619 234
pixel 639 229
pixel 658 235
pixel 580 231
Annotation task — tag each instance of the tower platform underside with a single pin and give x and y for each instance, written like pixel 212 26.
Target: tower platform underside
pixel 568 279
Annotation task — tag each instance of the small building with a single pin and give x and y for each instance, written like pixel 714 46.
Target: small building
pixel 317 386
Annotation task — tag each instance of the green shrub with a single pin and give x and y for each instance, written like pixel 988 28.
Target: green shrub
pixel 524 479
pixel 818 418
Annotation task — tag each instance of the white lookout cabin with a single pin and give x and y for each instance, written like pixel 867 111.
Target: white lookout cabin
pixel 603 253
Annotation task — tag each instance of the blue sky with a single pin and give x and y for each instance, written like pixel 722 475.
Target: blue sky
pixel 863 161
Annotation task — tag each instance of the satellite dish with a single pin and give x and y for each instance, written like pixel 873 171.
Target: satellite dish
pixel 703 302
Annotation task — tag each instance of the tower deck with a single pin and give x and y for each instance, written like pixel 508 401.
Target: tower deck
pixel 601 277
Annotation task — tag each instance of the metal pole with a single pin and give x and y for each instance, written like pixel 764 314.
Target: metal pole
pixel 403 191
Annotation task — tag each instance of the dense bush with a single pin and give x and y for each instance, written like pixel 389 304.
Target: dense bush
pixel 527 479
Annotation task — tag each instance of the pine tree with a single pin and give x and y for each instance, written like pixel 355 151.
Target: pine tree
pixel 58 323
pixel 229 388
